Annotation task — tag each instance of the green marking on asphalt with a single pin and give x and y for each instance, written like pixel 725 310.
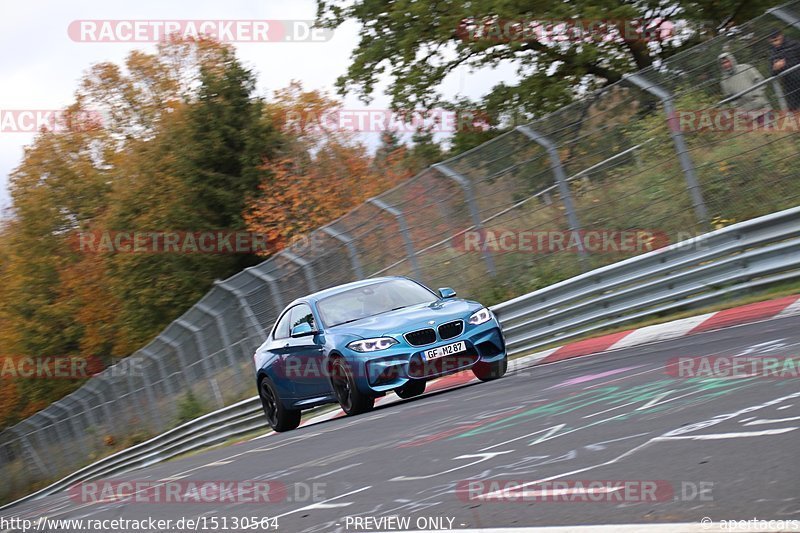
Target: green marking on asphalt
pixel 615 395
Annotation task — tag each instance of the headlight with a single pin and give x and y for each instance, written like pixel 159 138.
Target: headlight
pixel 480 316
pixel 372 345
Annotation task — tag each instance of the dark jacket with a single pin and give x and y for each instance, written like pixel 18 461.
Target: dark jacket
pixel 789 51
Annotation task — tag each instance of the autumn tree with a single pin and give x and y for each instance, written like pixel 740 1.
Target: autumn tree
pixel 322 173
pixel 416 45
pixel 181 144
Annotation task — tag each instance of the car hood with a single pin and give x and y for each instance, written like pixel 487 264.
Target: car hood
pixel 409 318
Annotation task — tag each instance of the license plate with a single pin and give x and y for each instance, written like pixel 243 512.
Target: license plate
pixel 447 349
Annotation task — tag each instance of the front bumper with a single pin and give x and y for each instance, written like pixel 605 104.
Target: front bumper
pixel 389 369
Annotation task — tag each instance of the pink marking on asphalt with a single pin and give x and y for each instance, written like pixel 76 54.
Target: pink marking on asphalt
pixel 591 377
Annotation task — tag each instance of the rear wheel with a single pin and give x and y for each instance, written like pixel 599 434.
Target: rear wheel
pixel 411 389
pixel 489 371
pixel 352 400
pixel 279 417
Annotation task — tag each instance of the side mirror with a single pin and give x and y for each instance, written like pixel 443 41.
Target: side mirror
pixel 303 329
pixel 446 292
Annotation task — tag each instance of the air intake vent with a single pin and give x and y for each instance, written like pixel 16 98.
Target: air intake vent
pixel 421 337
pixel 449 330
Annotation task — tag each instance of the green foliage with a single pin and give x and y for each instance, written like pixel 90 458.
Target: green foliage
pixel 183 144
pixel 189 408
pixel 418 44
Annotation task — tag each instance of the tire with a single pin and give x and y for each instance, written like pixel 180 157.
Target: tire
pixel 411 389
pixel 352 401
pixel 279 417
pixel 489 371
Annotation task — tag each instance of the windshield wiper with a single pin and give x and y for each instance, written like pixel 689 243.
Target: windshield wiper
pixel 348 321
pixel 376 314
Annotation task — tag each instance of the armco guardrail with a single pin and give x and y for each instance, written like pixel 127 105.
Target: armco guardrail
pixel 238 419
pixel 697 271
pixel 701 270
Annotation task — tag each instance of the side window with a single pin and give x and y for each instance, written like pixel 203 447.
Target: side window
pixel 301 313
pixel 282 329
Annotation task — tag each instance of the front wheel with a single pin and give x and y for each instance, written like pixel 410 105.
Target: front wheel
pixel 411 389
pixel 279 417
pixel 352 400
pixel 489 371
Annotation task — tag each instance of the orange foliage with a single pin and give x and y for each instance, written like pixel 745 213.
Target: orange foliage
pixel 303 195
pixel 324 174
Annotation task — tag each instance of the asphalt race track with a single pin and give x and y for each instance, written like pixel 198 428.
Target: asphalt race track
pixel 722 448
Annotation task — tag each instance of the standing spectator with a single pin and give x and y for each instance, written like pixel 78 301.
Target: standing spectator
pixel 785 54
pixel 741 77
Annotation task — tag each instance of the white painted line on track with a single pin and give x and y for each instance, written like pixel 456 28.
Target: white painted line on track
pixel 660 332
pixel 733 435
pixel 762 421
pixel 334 471
pixel 324 504
pixel 791 310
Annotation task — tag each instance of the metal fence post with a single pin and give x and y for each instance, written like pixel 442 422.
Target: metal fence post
pixel 148 387
pixel 222 329
pixel 77 430
pixel 701 212
pixel 246 309
pixel 308 272
pixel 32 450
pixel 53 419
pixel 561 180
pixel 271 282
pixel 161 369
pixel 401 221
pixel 87 407
pixel 349 242
pixel 778 90
pixel 204 355
pixel 92 387
pixel 186 371
pixel 785 15
pixel 109 392
pixel 466 185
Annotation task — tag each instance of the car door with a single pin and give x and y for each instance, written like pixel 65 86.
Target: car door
pixel 276 352
pixel 304 357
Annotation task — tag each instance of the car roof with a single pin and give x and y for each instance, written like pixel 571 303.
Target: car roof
pixel 319 295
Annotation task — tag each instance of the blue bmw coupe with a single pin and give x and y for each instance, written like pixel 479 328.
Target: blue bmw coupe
pixel 353 343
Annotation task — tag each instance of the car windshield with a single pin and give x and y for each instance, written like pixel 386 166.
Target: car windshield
pixel 370 300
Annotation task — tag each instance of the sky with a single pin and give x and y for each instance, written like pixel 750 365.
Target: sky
pixel 42 65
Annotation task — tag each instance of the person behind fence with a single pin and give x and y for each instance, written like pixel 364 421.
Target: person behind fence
pixel 785 54
pixel 740 77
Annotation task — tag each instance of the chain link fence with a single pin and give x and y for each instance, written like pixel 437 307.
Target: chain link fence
pixel 651 153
